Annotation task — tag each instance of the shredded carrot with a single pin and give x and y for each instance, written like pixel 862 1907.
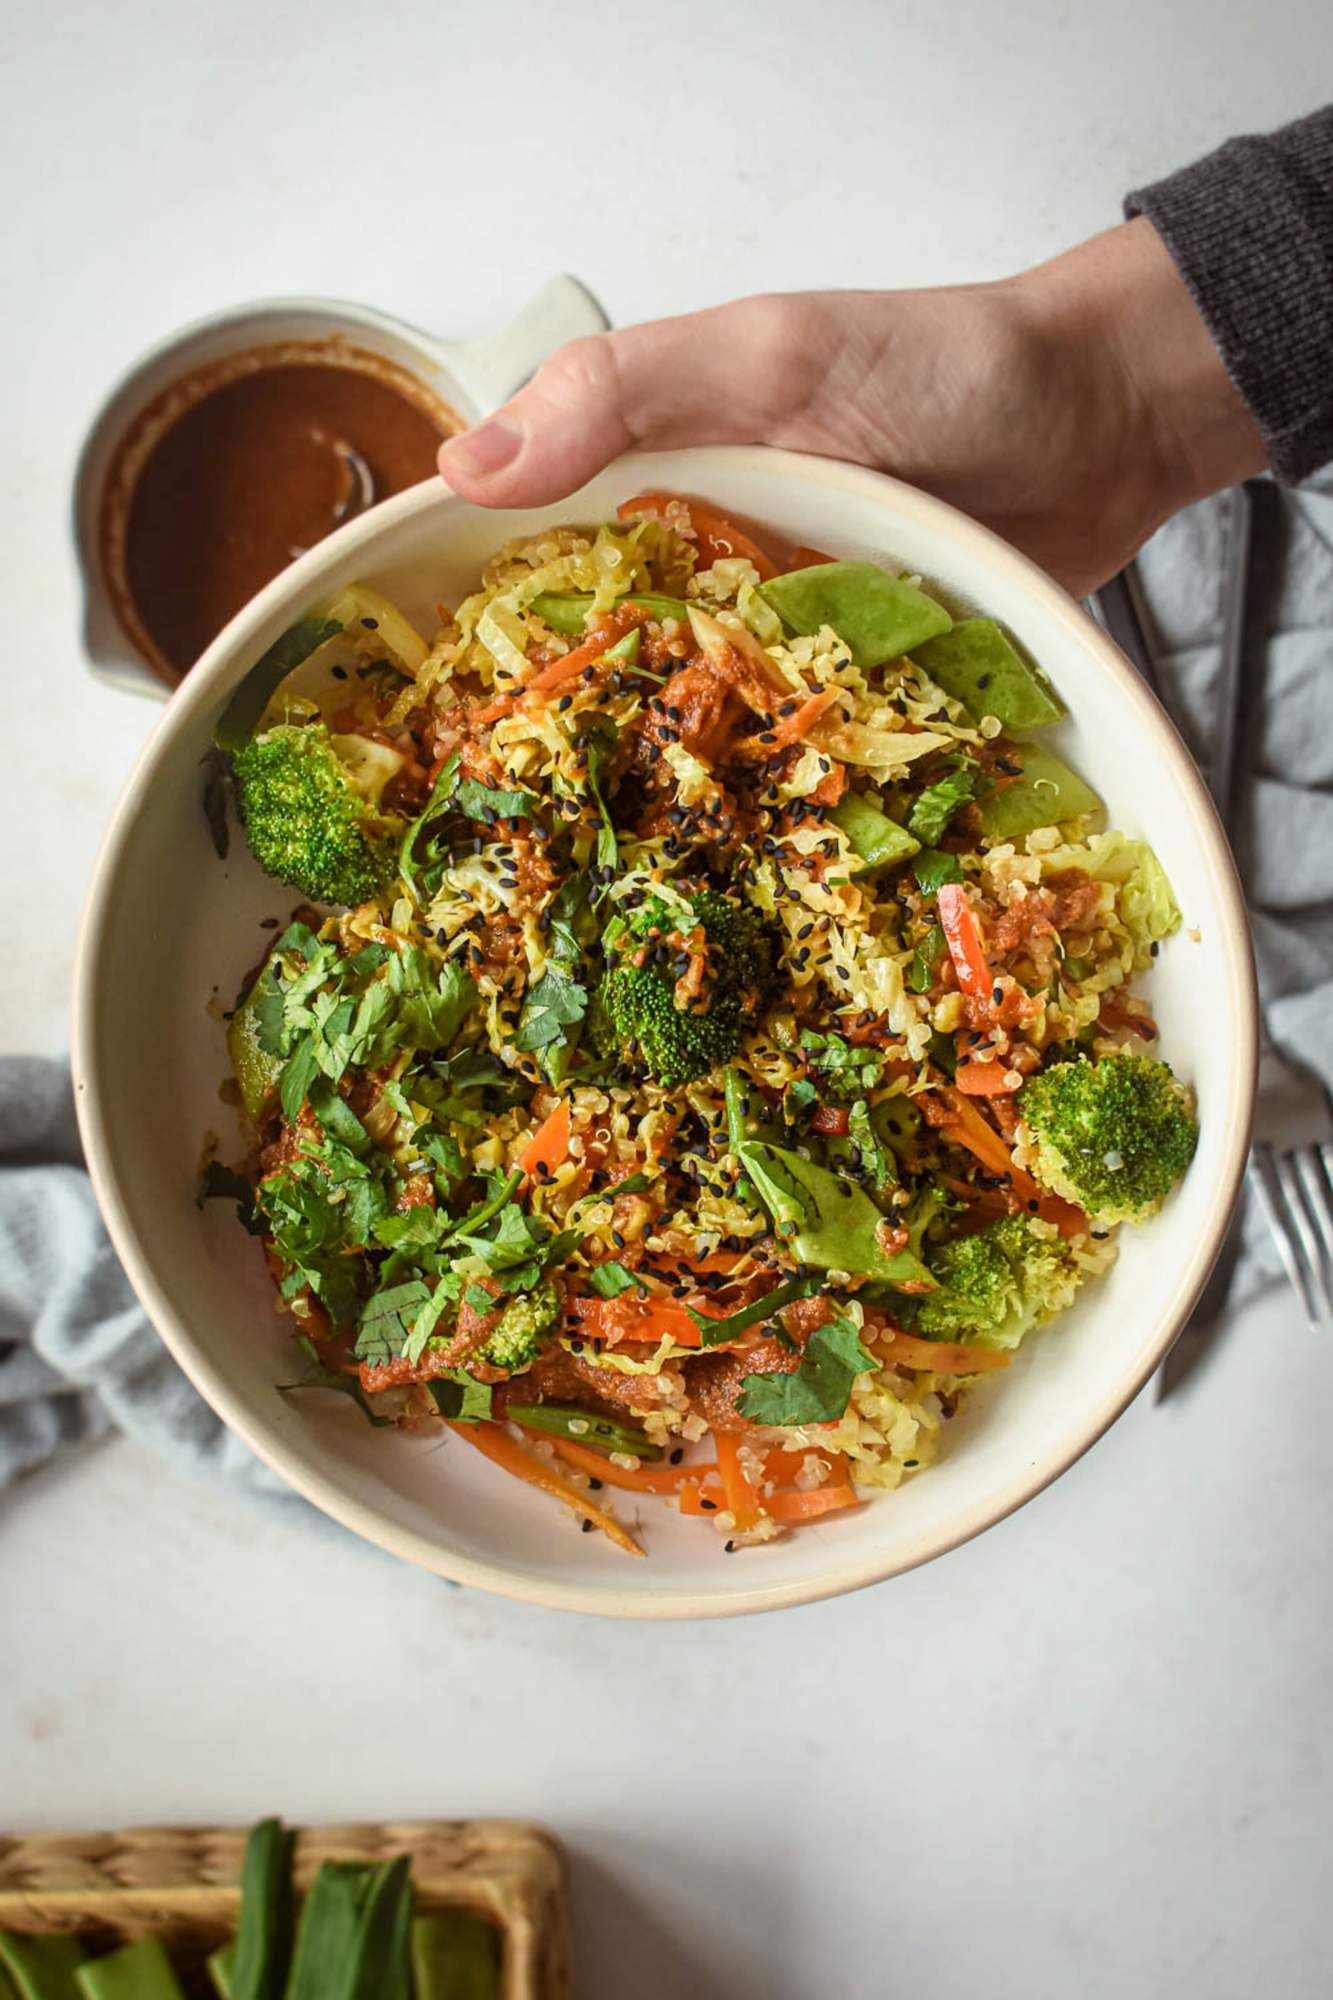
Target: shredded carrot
pixel 648 1478
pixel 743 1500
pixel 791 728
pixel 718 538
pixel 495 1443
pixel 648 1319
pixel 970 1129
pixel 571 666
pixel 804 558
pixel 986 1079
pixel 549 1144
pixel 942 1357
pixel 964 941
pixel 700 1500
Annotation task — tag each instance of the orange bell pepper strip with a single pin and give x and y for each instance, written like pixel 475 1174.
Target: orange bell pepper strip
pixel 648 1478
pixel 941 1357
pixel 964 941
pixel 495 1443
pixel 549 1144
pixel 718 538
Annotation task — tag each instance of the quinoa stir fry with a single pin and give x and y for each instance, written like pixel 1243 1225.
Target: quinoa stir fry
pixel 708 1037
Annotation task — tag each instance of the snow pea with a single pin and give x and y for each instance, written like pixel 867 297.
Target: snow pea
pixel 979 665
pixel 1046 794
pixel 878 617
pixel 871 834
pixel 824 1220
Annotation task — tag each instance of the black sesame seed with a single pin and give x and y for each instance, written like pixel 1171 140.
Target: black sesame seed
pixel 339 673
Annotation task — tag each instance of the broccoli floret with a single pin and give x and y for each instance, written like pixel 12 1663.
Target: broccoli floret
pixel 517 1336
pixel 307 821
pixel 644 1011
pixel 1114 1136
pixel 998 1284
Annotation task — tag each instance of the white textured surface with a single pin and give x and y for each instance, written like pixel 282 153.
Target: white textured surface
pixel 1084 1754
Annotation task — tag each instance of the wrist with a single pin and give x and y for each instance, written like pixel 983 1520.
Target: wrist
pixel 1118 308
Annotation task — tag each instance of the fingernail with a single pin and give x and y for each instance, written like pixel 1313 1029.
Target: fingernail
pixel 487 449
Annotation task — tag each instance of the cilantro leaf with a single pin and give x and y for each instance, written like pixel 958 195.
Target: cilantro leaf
pixel 219 1183
pixel 848 1069
pixel 298 1073
pixel 933 867
pixel 600 744
pixel 424 853
pixel 484 802
pixel 556 1002
pixel 427 1320
pixel 819 1390
pixel 716 1330
pixel 609 1280
pixel 337 1117
pixel 937 805
pixel 479 1300
pixel 386 1320
pixel 920 974
pixel 319 1376
pixel 459 1398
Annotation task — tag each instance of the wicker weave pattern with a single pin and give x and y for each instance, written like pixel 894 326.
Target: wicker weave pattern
pixel 183 1882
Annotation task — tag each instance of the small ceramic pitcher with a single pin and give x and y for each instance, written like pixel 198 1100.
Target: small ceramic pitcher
pixel 472 377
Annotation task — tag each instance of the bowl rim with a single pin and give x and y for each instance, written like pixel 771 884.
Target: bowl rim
pixel 201 687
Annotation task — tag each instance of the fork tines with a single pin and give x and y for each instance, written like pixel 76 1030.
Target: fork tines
pixel 1295 1192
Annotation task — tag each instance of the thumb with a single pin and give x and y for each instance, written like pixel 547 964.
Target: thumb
pixel 726 376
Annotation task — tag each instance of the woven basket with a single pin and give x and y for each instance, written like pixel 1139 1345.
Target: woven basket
pixel 184 1884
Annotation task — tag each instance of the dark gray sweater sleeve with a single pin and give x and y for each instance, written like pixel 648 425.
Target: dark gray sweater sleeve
pixel 1251 231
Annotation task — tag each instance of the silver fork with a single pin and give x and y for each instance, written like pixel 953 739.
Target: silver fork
pixel 1294 1190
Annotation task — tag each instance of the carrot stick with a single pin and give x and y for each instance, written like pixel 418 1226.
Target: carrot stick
pixel 941 1357
pixel 743 1501
pixel 964 941
pixel 496 1444
pixel 648 1478
pixel 649 1319
pixel 986 1079
pixel 570 666
pixel 701 1501
pixel 970 1129
pixel 549 1144
pixel 794 1507
pixel 718 538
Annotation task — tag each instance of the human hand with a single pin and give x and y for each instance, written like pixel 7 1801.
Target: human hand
pixel 1072 408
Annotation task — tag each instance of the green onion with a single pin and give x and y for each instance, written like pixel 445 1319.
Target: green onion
pixel 567 1420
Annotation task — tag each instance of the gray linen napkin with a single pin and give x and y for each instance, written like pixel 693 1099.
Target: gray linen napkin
pixel 77 1355
pixel 1283 831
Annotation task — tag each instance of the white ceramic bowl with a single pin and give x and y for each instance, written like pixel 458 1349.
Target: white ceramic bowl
pixel 168 927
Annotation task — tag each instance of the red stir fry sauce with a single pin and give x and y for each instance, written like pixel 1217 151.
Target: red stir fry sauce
pixel 234 472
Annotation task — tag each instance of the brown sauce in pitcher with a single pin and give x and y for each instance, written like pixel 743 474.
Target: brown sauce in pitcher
pixel 240 467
